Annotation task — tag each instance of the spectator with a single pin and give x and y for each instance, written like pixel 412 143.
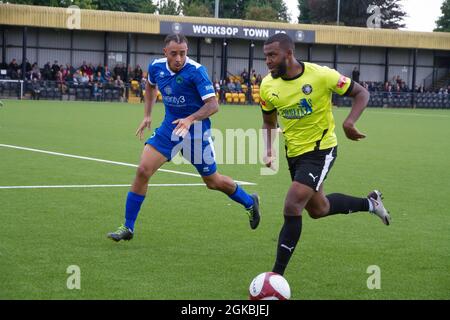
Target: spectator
pixel 35 89
pixel 55 69
pixel 244 76
pixel 258 79
pixel 138 73
pixel 97 91
pixel 238 86
pixel 231 86
pixel 35 72
pixel 355 74
pixel 13 69
pixel 107 75
pixel 142 88
pixel 119 83
pixel 47 71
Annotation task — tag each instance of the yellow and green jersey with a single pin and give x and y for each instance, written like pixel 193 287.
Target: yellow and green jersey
pixel 304 106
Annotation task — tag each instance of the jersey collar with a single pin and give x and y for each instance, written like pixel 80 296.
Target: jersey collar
pixel 174 73
pixel 297 76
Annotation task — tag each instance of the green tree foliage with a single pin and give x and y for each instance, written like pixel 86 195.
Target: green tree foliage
pixel 168 7
pixel 352 13
pixel 443 23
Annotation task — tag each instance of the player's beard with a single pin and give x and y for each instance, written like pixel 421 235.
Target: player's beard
pixel 280 70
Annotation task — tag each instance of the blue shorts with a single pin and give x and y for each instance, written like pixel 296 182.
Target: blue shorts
pixel 199 152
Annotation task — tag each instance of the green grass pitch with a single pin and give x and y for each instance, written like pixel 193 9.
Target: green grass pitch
pixel 192 243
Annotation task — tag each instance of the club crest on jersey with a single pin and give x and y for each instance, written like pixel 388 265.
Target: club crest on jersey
pixel 161 74
pixel 307 89
pixel 168 90
pixel 342 82
pixel 179 79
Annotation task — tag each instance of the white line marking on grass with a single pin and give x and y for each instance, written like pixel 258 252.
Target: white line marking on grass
pixel 109 161
pixel 104 186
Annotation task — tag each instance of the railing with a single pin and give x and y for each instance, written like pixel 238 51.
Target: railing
pixel 52 90
pixel 429 100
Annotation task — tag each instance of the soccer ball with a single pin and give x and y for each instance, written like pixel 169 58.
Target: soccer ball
pixel 269 286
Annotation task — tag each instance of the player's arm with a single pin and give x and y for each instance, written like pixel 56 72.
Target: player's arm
pixel 151 93
pixel 360 99
pixel 208 109
pixel 269 133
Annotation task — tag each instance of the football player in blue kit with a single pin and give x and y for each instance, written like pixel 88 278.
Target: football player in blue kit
pixel 189 99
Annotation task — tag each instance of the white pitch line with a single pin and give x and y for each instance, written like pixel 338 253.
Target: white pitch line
pixel 104 186
pixel 109 161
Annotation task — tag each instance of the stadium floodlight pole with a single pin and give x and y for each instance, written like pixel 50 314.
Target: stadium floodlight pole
pixel 338 11
pixel 216 9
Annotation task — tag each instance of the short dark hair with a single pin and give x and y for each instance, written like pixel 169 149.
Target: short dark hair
pixel 284 40
pixel 176 37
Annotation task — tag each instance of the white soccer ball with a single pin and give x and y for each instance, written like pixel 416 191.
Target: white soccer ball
pixel 269 286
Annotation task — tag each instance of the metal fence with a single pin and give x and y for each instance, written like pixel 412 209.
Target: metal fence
pixel 427 100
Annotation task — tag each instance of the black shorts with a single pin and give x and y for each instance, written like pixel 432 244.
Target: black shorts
pixel 312 168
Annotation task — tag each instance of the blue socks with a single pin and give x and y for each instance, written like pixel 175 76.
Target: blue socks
pixel 132 207
pixel 242 197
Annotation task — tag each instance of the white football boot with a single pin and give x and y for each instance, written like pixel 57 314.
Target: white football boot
pixel 378 208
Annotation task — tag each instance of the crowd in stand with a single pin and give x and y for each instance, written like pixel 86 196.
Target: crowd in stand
pixel 64 76
pixel 237 84
pixel 396 85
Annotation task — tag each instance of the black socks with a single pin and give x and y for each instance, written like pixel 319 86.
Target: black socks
pixel 289 236
pixel 341 203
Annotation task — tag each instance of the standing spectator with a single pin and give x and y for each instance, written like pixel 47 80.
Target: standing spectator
pixel 244 76
pixel 55 69
pixel 35 89
pixel 35 72
pixel 13 69
pixel 355 74
pixel 138 73
pixel 107 75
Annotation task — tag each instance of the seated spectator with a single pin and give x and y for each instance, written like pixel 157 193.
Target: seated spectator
pixel 99 78
pixel 238 86
pixel 231 87
pixel 97 91
pixel 77 77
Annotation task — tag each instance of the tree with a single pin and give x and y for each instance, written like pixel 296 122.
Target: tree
pixel 196 8
pixel 352 13
pixel 264 13
pixel 169 7
pixel 305 12
pixel 264 10
pixel 443 23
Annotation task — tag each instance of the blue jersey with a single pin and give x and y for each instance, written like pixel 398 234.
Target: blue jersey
pixel 182 92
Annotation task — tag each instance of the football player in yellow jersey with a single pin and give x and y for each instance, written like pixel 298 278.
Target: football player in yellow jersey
pixel 299 95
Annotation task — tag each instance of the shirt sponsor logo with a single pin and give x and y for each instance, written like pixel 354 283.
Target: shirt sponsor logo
pixel 303 109
pixel 177 101
pixel 342 82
